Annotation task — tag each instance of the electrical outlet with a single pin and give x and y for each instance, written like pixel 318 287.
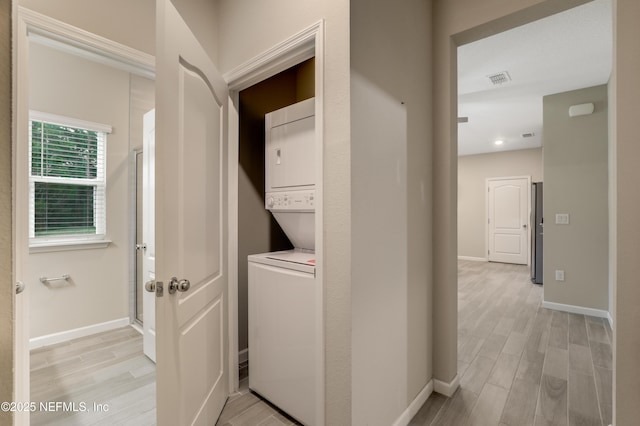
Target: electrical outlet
pixel 559 275
pixel 562 218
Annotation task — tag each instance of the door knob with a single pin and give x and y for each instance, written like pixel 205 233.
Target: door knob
pixel 178 285
pixel 150 286
pixel 19 287
pixel 524 226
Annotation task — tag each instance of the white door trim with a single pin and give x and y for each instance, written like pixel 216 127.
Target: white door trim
pixel 486 212
pixel 45 30
pixel 306 44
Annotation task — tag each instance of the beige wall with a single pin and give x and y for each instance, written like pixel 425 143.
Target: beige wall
pixel 576 182
pixel 247 28
pixel 131 23
pixel 391 207
pixel 626 93
pixel 258 232
pixel 98 290
pixel 473 170
pixel 7 286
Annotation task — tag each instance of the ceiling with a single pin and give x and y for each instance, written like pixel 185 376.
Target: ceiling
pixel 567 51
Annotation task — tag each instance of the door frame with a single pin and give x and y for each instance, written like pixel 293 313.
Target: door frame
pixel 486 210
pixel 304 45
pixel 28 23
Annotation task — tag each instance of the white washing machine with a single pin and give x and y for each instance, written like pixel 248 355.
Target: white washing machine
pixel 284 317
pixel 282 337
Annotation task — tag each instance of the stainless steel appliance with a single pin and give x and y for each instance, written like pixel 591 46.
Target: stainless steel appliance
pixel 537 234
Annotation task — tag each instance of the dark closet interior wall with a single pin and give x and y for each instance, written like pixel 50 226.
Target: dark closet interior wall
pixel 258 232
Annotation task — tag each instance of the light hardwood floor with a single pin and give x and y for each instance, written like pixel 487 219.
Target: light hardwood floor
pixel 110 369
pixel 519 363
pixel 107 368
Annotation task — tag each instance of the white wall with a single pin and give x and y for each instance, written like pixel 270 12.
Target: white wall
pixel 576 182
pixel 97 292
pixel 391 208
pixel 473 170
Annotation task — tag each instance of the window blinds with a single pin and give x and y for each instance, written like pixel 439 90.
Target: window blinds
pixel 67 180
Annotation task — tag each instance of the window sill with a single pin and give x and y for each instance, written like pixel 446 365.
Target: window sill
pixel 51 246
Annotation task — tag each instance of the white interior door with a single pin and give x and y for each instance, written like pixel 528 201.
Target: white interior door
pixel 508 218
pixel 148 233
pixel 191 227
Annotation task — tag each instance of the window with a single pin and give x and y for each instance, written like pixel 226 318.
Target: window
pixel 67 183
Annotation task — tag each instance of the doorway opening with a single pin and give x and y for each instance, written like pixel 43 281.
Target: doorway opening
pixel 501 125
pixel 82 294
pixel 296 65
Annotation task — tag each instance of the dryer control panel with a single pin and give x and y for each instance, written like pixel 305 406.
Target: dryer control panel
pixel 301 201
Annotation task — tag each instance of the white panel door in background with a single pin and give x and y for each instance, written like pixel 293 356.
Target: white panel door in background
pixel 508 219
pixel 191 227
pixel 148 233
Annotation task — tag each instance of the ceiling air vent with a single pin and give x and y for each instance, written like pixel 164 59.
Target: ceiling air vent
pixel 499 78
pixel 528 135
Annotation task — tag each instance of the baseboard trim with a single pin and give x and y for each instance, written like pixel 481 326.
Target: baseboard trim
pixel 475 259
pixel 63 336
pixel 415 405
pixel 600 313
pixel 243 356
pixel 446 389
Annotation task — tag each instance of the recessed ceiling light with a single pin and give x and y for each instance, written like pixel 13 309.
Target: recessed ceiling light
pixel 498 142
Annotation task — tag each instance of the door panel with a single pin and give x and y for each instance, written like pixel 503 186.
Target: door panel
pixel 508 212
pixel 191 231
pixel 148 232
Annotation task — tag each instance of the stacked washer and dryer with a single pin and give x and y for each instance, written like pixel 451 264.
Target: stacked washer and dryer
pixel 283 333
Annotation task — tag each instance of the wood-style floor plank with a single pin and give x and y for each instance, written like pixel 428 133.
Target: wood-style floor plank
pixel 519 363
pixel 539 359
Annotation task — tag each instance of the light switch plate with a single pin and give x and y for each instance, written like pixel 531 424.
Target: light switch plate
pixel 559 275
pixel 562 218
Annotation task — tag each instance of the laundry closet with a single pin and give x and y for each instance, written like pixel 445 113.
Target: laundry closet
pixel 276 226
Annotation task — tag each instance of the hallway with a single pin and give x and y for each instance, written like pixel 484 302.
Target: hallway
pixel 519 363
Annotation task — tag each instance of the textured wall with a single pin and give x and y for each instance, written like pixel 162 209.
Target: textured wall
pixel 391 207
pixel 626 93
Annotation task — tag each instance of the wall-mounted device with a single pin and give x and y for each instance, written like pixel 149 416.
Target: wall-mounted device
pixel 582 109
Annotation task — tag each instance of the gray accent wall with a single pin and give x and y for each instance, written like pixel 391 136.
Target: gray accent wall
pixel 576 183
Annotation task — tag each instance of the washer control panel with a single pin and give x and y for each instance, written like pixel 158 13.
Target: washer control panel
pixel 290 201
